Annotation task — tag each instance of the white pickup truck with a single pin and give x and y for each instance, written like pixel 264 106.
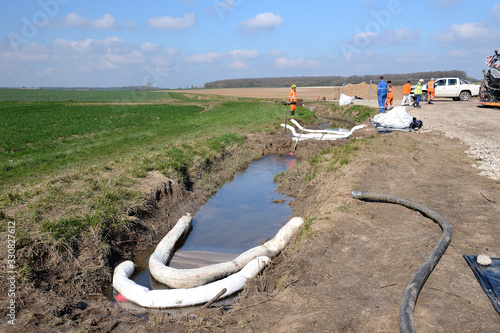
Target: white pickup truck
pixel 452 87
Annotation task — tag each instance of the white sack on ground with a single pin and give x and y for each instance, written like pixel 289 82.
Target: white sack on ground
pixel 171 298
pixel 395 118
pixel 188 278
pixel 345 100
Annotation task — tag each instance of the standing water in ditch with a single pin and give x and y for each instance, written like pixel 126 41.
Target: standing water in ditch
pixel 242 214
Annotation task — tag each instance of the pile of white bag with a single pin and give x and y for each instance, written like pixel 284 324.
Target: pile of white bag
pixel 396 119
pixel 345 100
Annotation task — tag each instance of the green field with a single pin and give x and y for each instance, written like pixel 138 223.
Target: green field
pixel 72 162
pixel 72 159
pixel 43 95
pixel 40 137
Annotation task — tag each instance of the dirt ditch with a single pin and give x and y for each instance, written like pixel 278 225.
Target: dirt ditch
pixel 348 270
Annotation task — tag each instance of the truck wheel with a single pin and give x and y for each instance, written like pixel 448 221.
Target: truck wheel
pixel 464 96
pixel 424 96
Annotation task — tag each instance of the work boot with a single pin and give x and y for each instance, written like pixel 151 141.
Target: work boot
pixel 292 112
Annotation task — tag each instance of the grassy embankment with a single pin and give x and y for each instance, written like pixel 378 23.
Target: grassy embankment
pixel 70 161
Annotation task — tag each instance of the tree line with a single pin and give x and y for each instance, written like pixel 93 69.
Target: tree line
pixel 315 81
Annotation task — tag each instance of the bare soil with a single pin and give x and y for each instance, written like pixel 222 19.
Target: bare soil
pixel 361 90
pixel 349 272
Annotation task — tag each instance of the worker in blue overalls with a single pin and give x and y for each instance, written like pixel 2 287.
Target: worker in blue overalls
pixel 382 94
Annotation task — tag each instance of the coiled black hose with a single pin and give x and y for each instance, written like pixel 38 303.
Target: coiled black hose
pixel 407 309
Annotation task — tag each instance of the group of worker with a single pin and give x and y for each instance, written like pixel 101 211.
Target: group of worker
pixel 385 93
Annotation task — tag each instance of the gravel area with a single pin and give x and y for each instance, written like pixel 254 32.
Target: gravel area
pixel 476 127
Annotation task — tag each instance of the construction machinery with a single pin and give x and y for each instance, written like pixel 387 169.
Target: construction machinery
pixel 489 94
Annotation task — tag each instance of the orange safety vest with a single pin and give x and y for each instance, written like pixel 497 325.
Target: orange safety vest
pixel 430 85
pixel 407 89
pixel 292 96
pixel 390 91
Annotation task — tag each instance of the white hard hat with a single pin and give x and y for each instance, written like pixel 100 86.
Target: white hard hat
pixel 421 80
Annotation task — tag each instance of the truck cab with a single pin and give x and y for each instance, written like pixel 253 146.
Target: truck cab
pixel 452 87
pixel 447 87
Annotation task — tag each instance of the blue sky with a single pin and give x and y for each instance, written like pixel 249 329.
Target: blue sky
pixel 180 43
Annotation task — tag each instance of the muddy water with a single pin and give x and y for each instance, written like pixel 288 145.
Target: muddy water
pixel 244 213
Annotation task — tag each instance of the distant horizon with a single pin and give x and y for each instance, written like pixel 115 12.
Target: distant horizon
pixel 128 87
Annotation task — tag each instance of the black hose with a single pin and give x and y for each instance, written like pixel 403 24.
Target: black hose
pixel 407 309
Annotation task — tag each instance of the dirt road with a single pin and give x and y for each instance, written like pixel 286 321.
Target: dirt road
pixel 476 127
pixel 350 275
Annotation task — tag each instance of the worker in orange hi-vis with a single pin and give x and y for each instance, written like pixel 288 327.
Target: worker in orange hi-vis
pixel 407 94
pixel 430 91
pixel 292 98
pixel 390 95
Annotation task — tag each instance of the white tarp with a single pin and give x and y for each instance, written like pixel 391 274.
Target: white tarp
pixel 396 118
pixel 345 100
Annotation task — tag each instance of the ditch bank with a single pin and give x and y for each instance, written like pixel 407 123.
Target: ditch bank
pixel 66 287
pixel 348 269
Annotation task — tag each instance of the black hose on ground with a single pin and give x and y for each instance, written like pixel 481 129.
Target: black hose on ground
pixel 407 309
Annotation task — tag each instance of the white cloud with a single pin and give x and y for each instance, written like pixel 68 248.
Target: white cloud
pixel 244 54
pixel 238 65
pixel 89 62
pixel 148 47
pixel 364 38
pixel 61 45
pixel 412 57
pixel 295 63
pixel 206 58
pixel 495 12
pixel 262 22
pixel 31 52
pixel 128 58
pixel 74 20
pixel 106 22
pixel 467 32
pixel 276 53
pixel 173 23
pixel 169 51
pixel 387 37
pixel 110 41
